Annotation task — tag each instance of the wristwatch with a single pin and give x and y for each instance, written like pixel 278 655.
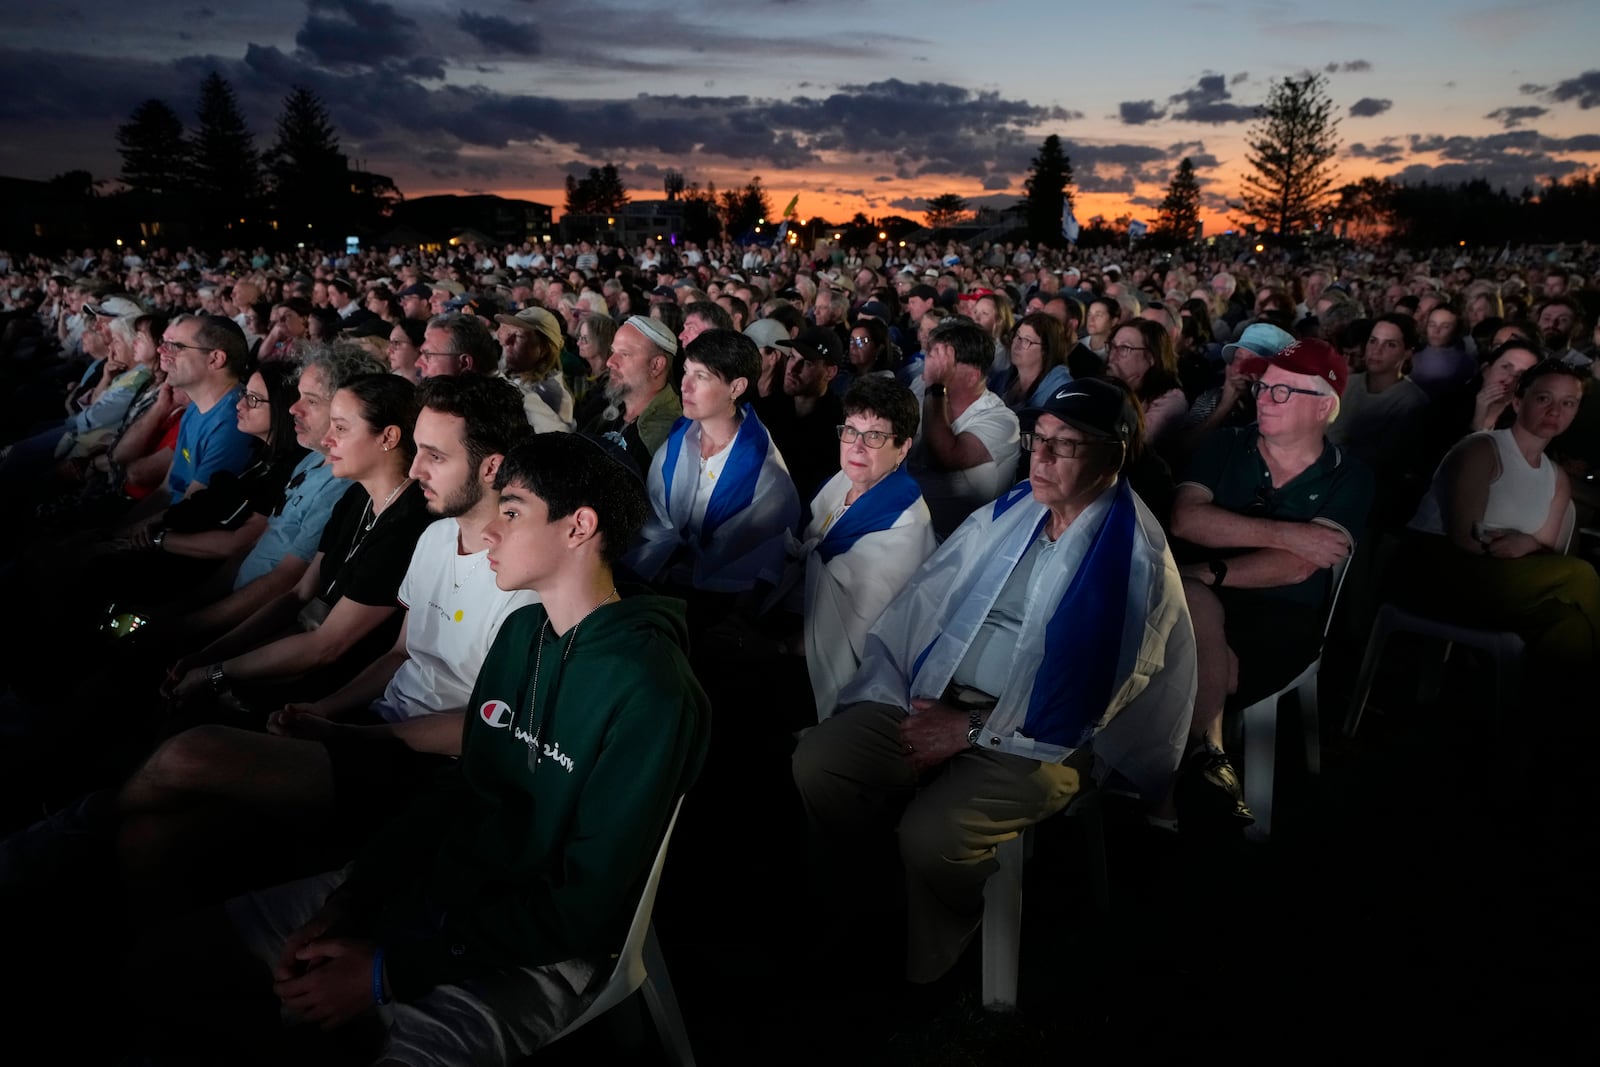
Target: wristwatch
pixel 219 681
pixel 156 539
pixel 974 727
pixel 1219 571
pixel 936 389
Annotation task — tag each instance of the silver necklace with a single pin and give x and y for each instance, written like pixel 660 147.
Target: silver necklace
pixel 457 583
pixel 367 524
pixel 369 518
pixel 538 658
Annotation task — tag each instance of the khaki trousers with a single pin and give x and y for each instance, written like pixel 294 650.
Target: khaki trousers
pixel 858 789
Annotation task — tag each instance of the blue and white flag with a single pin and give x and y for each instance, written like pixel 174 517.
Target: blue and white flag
pixel 740 536
pixel 1105 654
pixel 1137 228
pixel 1069 224
pixel 854 560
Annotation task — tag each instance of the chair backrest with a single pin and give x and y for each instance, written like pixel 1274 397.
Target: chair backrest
pixel 630 961
pixel 1335 586
pixel 1569 527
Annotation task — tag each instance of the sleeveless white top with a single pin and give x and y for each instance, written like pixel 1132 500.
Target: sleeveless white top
pixel 1519 499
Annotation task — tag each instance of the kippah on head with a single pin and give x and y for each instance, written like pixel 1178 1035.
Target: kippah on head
pixel 656 331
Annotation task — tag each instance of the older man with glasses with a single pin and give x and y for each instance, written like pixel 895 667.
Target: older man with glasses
pixel 1267 511
pixel 455 343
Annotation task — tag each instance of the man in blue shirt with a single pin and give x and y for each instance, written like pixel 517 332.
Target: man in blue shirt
pixel 205 356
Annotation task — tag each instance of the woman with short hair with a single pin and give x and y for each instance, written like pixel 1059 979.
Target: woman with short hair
pixel 721 497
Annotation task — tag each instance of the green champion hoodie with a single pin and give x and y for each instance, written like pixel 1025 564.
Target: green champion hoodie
pixel 534 847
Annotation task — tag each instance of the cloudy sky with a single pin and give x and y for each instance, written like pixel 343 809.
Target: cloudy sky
pixel 852 104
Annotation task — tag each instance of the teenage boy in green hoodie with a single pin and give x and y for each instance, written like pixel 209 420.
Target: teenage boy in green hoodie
pixel 479 922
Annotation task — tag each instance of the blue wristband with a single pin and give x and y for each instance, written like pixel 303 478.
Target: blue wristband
pixel 377 977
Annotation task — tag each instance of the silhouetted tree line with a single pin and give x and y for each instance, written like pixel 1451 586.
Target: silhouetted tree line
pixel 215 180
pixel 1428 215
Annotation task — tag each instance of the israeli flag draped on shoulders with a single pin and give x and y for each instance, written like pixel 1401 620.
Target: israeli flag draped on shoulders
pixel 854 569
pixel 1106 651
pixel 753 508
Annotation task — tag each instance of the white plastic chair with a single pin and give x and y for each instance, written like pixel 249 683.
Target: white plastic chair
pixel 640 967
pixel 1260 726
pixel 1002 899
pixel 1502 646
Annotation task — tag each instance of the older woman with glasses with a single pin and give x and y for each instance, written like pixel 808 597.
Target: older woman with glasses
pixel 869 531
pixel 1046 640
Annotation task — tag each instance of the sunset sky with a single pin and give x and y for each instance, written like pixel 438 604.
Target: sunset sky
pixel 854 106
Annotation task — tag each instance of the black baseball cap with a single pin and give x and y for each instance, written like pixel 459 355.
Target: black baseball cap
pixel 817 342
pixel 1095 406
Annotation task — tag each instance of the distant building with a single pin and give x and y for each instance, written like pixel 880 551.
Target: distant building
pixel 503 220
pixel 637 222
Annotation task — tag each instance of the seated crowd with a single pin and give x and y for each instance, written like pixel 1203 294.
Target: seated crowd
pixel 965 532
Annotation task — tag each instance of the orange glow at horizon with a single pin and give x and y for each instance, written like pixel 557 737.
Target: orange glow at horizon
pixel 836 194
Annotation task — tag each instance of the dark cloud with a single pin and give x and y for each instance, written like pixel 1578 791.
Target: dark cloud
pixel 1585 89
pixel 910 203
pixel 883 178
pixel 1209 102
pixel 357 33
pixel 1493 147
pixel 1354 66
pixel 1239 78
pixel 997 181
pixel 1139 112
pixel 1369 106
pixel 1195 152
pixel 1385 152
pixel 498 34
pixel 1515 116
pixel 1513 172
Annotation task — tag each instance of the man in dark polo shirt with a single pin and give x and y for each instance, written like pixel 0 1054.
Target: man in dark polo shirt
pixel 1266 511
pixel 804 419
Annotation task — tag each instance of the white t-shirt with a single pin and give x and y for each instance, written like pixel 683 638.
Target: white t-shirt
pixel 953 495
pixel 454 610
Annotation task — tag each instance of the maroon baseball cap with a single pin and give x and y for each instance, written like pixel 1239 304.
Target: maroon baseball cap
pixel 1309 355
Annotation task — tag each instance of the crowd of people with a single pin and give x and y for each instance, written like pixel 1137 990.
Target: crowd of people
pixel 964 531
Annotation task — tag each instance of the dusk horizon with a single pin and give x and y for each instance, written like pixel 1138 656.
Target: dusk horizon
pixel 847 107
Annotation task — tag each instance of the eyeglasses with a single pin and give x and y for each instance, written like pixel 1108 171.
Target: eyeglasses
pixel 873 438
pixel 1280 393
pixel 168 345
pixel 1059 447
pixel 1127 350
pixel 860 342
pixel 1027 342
pixel 252 401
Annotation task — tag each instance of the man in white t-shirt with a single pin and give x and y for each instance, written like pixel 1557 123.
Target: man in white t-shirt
pixel 401 716
pixel 968 443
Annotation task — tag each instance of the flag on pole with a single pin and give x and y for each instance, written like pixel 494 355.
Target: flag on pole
pixel 1137 228
pixel 788 211
pixel 1069 224
pixel 783 231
